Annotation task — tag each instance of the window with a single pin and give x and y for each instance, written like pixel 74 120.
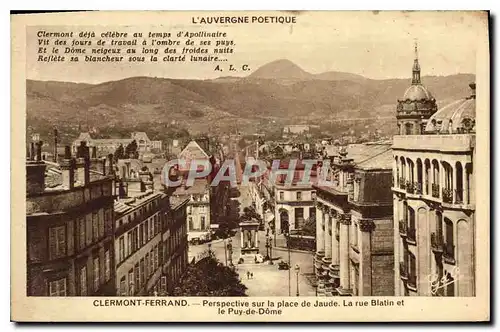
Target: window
pixel 313 195
pixel 299 195
pixel 160 254
pixel 157 258
pixel 190 220
pixel 129 242
pixel 88 222
pixel 121 251
pixel 151 228
pixel 57 287
pixel 96 274
pixel 142 271
pixel 107 266
pixel 95 227
pixel 100 218
pixel 147 267
pixel 123 285
pixel 83 281
pixel 151 262
pixel 145 233
pixel 355 235
pixel 282 196
pixel 141 235
pixel 57 242
pixel 299 217
pixel 131 282
pixel 81 228
pixel 137 278
pixel 202 221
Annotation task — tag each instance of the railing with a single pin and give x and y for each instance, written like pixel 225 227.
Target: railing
pixel 403 271
pixel 449 253
pixel 402 183
pixel 435 190
pixel 403 227
pixel 437 242
pixel 409 187
pixel 447 195
pixel 459 196
pixel 411 234
pixel 418 188
pixel 412 281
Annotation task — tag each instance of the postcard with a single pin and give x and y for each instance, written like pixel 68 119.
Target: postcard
pixel 279 166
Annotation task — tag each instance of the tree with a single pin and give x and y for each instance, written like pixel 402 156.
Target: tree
pixel 119 153
pixel 209 277
pixel 131 150
pixel 309 227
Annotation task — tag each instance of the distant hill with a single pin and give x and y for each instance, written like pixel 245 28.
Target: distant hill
pixel 281 69
pixel 279 91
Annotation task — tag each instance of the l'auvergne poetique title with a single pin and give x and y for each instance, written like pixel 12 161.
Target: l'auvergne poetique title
pixel 243 19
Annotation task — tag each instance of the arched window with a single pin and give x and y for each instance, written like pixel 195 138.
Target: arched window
pixel 408 128
pixel 419 177
pixel 459 183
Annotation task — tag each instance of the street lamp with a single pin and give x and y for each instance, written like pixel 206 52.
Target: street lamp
pixel 297 270
pixel 287 236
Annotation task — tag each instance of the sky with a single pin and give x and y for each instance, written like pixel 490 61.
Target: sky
pixel 377 45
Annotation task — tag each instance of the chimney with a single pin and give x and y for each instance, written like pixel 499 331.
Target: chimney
pixel 68 168
pixel 94 153
pixel 35 172
pixel 110 164
pixel 32 151
pixel 86 170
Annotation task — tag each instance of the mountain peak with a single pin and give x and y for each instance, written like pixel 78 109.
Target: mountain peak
pixel 281 69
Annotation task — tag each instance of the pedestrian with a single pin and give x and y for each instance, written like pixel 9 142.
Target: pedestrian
pixel 251 275
pixel 248 274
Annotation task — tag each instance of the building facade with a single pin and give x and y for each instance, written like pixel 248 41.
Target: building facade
pixel 434 206
pixel 138 241
pixel 175 245
pixel 293 200
pixel 69 219
pixel 109 145
pixel 354 228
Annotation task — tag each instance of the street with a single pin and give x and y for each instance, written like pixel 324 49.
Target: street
pixel 267 279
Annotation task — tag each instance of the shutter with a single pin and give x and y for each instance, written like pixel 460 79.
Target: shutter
pixel 163 286
pixel 88 222
pixel 71 236
pixel 52 243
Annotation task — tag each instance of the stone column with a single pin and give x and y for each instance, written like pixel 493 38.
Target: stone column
pixel 465 185
pixel 335 243
pixel 344 250
pixel 242 239
pixel 424 178
pixel 397 241
pixel 441 180
pixel 257 238
pixel 328 234
pixel 454 182
pixel 366 226
pixel 320 240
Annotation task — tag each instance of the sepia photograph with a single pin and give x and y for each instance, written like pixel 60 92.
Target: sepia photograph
pixel 251 165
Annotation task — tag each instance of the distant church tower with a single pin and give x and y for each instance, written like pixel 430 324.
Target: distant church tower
pixel 417 104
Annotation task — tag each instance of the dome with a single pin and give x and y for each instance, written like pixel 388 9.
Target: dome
pixel 457 117
pixel 417 92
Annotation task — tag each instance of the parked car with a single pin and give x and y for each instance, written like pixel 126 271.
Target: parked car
pixel 283 266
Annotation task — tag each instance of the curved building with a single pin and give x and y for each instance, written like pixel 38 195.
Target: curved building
pixel 433 192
